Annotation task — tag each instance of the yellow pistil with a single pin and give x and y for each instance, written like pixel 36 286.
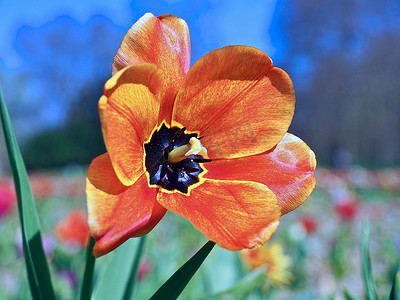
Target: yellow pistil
pixel 194 147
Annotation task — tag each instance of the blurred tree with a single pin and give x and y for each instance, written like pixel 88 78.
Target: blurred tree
pixel 343 58
pixel 75 142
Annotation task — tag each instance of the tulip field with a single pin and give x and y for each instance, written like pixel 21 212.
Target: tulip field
pixel 316 252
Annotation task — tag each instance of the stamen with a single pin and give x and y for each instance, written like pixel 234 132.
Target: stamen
pixel 194 147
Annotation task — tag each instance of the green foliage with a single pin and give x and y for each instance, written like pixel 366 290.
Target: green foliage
pixel 115 278
pixel 86 288
pixel 370 287
pixel 347 295
pixel 76 142
pixel 395 292
pixel 244 287
pixel 36 263
pixel 174 286
pixel 129 288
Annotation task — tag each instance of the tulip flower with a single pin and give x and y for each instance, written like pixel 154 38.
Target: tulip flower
pixel 208 143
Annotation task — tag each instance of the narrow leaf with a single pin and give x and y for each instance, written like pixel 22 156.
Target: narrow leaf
pixel 114 277
pixel 87 282
pixel 174 286
pixel 395 292
pixel 36 263
pixel 132 276
pixel 370 287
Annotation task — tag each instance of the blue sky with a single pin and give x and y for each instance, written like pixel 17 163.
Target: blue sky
pixel 219 23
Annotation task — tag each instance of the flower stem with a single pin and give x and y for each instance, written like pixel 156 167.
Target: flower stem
pixel 86 288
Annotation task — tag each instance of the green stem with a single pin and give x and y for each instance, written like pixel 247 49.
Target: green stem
pixel 86 288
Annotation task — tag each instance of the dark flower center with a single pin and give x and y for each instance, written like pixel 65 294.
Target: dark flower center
pixel 168 172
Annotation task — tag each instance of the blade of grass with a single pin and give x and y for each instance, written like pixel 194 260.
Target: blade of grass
pixel 174 286
pixel 37 266
pixel 395 292
pixel 370 287
pixel 114 277
pixel 132 276
pixel 86 288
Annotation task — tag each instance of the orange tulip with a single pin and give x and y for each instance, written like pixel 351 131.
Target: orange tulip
pixel 209 143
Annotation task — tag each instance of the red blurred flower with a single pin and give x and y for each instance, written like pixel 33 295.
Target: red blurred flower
pixel 309 223
pixel 74 229
pixel 236 182
pixel 7 200
pixel 347 209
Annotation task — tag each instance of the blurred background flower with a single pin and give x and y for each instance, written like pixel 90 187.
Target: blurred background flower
pixel 7 200
pixel 73 229
pixel 271 256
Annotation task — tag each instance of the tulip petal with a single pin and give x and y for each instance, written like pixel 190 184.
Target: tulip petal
pixel 163 41
pixel 129 118
pixel 237 100
pixel 117 213
pixel 235 215
pixel 287 170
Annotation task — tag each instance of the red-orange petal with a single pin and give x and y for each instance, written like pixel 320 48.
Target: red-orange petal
pixel 235 215
pixel 164 41
pixel 130 115
pixel 117 213
pixel 287 170
pixel 237 100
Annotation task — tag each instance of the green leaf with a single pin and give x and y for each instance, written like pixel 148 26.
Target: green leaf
pixel 115 277
pixel 174 286
pixel 370 287
pixel 132 276
pixel 37 266
pixel 240 290
pixel 395 292
pixel 87 285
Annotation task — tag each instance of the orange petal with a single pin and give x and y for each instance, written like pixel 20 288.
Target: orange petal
pixel 117 213
pixel 163 41
pixel 287 170
pixel 235 215
pixel 237 100
pixel 130 116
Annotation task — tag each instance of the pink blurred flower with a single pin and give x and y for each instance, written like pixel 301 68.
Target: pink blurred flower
pixel 144 269
pixel 7 200
pixel 74 229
